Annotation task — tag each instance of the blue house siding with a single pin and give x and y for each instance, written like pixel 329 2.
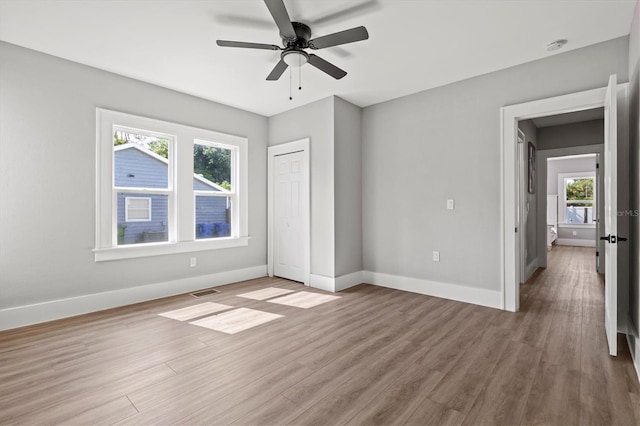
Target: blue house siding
pixel 136 169
pixel 212 211
pixel 145 232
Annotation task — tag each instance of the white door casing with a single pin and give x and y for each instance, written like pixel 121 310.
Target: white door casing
pixel 289 211
pixel 510 115
pixel 521 215
pixel 611 214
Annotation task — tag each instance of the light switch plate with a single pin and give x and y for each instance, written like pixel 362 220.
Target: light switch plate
pixel 450 205
pixel 436 256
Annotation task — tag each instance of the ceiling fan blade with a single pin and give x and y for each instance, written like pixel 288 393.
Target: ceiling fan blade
pixel 227 43
pixel 327 67
pixel 277 70
pixel 280 15
pixel 342 37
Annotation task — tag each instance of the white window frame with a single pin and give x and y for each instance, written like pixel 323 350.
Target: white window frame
pixel 181 222
pixel 562 199
pixel 148 209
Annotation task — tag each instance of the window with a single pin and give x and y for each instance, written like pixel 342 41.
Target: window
pixel 151 201
pixel 138 209
pixel 213 187
pixel 577 198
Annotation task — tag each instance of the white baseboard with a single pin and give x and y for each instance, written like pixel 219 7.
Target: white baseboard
pixel 336 284
pixel 576 242
pixel 531 268
pixel 635 352
pixel 346 281
pixel 322 283
pixel 21 316
pixel 477 296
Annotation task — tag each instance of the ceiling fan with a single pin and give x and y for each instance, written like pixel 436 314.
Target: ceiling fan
pixel 296 37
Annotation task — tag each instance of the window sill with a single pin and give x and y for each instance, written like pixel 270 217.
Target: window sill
pixel 577 225
pixel 158 249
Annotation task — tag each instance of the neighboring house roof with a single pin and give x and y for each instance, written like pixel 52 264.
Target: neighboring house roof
pixel 166 162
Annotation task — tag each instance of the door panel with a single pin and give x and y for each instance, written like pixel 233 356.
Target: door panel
pixel 288 260
pixel 600 245
pixel 611 215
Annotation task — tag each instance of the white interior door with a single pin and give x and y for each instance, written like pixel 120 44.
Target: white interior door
pixel 600 245
pixel 288 243
pixel 611 215
pixel 521 195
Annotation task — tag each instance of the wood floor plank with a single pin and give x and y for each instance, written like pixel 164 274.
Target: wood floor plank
pixel 430 413
pixel 341 405
pixel 554 398
pixel 76 396
pixel 276 411
pixel 461 386
pixel 395 404
pixel 503 400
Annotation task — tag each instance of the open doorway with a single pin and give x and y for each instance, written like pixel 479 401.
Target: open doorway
pixel 559 194
pixel 613 98
pixel 573 197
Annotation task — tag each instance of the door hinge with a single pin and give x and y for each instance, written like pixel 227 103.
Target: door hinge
pixel 597 165
pixel 597 254
pixel 516 229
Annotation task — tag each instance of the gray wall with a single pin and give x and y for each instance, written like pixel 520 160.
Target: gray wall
pixel 348 187
pixel 588 234
pixel 445 143
pixel 634 156
pixel 574 134
pixel 334 128
pixel 314 121
pixel 566 165
pixel 47 178
pixel 531 224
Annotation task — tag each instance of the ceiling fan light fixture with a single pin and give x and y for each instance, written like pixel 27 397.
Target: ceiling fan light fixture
pixel 295 58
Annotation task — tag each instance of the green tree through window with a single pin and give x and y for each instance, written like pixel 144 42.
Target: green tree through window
pixel 213 164
pixel 579 189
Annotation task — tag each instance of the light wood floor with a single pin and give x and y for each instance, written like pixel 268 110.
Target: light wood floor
pixel 374 356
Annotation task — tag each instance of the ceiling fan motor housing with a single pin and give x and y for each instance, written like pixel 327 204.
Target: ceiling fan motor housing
pixel 303 35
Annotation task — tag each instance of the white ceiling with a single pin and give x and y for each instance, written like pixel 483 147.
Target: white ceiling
pixel 413 45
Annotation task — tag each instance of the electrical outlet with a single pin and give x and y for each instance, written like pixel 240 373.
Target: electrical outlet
pixel 193 262
pixel 436 256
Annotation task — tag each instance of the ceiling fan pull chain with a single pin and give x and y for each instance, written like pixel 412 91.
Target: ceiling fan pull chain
pixel 290 97
pixel 299 72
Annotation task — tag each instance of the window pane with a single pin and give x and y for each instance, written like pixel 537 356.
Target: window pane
pixel 137 229
pixel 213 217
pixel 579 213
pixel 140 161
pixel 212 168
pixel 579 189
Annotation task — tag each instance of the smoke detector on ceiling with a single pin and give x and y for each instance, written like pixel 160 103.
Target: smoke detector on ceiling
pixel 555 45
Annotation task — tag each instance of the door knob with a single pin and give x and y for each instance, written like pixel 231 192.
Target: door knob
pixel 607 238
